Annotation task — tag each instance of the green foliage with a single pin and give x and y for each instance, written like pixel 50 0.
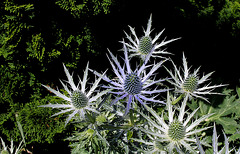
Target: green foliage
pixel 13 24
pixel 32 40
pixel 35 121
pixel 225 14
pixel 226 112
pixel 36 48
pixel 90 138
pixel 230 16
pixel 203 8
pixel 38 124
pixel 86 6
pixel 194 9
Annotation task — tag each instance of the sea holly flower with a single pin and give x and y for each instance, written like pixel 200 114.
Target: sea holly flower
pixel 133 85
pixel 176 132
pixel 79 101
pixel 146 44
pixel 190 83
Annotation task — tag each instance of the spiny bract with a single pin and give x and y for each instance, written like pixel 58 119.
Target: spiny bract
pixel 78 100
pixel 133 85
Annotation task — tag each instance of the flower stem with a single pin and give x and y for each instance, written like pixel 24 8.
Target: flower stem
pixel 178 99
pixel 131 117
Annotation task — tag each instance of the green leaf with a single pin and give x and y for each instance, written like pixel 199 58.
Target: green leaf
pixel 238 91
pixel 129 134
pixel 226 113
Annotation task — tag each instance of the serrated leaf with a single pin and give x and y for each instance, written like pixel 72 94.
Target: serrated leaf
pixel 228 106
pixel 229 124
pixel 234 137
pixel 226 113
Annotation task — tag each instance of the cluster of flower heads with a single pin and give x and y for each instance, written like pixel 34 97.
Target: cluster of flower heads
pixel 139 85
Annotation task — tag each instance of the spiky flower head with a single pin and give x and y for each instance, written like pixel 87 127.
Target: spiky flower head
pixel 79 101
pixel 177 131
pixel 190 83
pixel 133 85
pixel 144 45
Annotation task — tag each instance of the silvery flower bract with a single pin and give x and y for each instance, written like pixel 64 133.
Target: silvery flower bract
pixel 144 45
pixel 215 144
pixel 190 83
pixel 133 85
pixel 79 100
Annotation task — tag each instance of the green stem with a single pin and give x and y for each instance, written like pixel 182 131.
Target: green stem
pixel 131 117
pixel 178 99
pixel 90 117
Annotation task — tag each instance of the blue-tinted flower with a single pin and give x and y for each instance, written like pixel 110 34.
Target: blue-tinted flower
pixel 189 83
pixel 78 100
pixel 144 45
pixel 133 85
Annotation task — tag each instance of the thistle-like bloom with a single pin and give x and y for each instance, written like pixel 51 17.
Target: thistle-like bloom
pixel 132 84
pixel 177 132
pixel 79 101
pixel 189 83
pixel 144 45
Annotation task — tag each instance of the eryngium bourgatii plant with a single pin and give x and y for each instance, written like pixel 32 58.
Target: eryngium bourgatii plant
pixel 79 101
pixel 132 84
pixel 178 131
pixel 189 83
pixel 146 44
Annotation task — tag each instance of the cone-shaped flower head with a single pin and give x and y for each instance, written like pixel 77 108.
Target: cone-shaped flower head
pixel 144 45
pixel 190 83
pixel 78 100
pixel 133 85
pixel 177 131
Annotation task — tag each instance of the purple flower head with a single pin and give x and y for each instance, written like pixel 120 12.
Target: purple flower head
pixel 133 84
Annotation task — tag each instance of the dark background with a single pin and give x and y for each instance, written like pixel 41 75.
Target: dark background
pixel 203 43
